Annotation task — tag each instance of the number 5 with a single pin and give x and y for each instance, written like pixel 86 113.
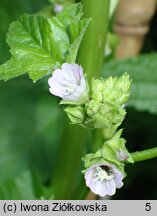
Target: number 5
pixel 148 207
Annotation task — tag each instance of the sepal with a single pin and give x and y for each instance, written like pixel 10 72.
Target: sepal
pixel 108 153
pixel 76 114
pixel 97 87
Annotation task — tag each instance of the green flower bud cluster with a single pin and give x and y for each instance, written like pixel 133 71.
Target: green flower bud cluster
pixel 104 107
pixel 113 89
pixel 111 152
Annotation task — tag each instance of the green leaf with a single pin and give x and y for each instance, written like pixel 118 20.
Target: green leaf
pixel 39 44
pixel 76 32
pixel 9 11
pixel 30 129
pixel 20 188
pixel 71 14
pixel 143 72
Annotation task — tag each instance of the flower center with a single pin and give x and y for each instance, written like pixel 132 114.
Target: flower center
pixel 103 173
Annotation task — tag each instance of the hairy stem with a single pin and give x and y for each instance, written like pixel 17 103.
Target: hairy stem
pixel 144 155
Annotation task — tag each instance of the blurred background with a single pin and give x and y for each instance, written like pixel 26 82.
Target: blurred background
pixel 32 123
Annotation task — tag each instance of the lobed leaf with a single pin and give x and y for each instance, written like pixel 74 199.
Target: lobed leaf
pixel 38 44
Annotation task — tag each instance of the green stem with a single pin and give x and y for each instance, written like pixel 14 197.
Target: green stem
pixel 91 53
pixel 144 155
pixel 96 140
pixel 75 139
pixel 91 56
pixel 66 176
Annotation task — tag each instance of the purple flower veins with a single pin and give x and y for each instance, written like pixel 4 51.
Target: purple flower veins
pixel 103 179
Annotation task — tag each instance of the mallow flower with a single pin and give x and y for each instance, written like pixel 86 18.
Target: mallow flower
pixel 103 179
pixel 68 83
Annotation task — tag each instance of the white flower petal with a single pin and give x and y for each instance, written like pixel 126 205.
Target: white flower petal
pixel 83 84
pixel 118 177
pixel 88 177
pixel 96 187
pixel 74 68
pixel 68 71
pixel 118 182
pixel 59 90
pixel 55 92
pixel 100 183
pixel 70 82
pixel 58 76
pixel 111 187
pixel 78 72
pixel 77 92
pixel 56 84
pixel 104 190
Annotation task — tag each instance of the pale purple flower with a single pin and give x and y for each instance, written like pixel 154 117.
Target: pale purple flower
pixel 103 179
pixel 58 8
pixel 68 82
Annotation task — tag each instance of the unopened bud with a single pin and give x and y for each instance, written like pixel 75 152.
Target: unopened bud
pixel 97 89
pixel 117 89
pixel 92 107
pixel 122 155
pixel 75 114
pixel 123 83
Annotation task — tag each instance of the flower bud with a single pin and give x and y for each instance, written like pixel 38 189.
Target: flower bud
pixel 117 89
pixel 122 155
pixel 118 146
pixel 123 83
pixel 92 107
pixel 96 89
pixel 108 152
pixel 75 114
pixel 107 116
pixel 69 83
